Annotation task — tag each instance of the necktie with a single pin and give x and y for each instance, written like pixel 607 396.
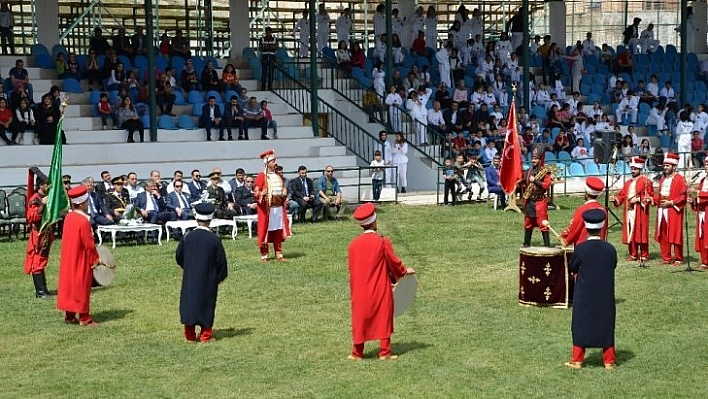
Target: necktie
pixel 154 203
pixel 92 209
pixel 182 201
pixel 304 184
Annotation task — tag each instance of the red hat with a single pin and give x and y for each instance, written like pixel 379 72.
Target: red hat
pixel 78 195
pixel 636 162
pixel 671 159
pixel 594 186
pixel 267 156
pixel 365 214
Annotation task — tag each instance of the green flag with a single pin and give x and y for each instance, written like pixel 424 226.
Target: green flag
pixel 57 200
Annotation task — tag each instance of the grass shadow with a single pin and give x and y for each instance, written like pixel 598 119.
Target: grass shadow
pixel 109 315
pixel 294 255
pixel 622 357
pixel 232 332
pixel 398 348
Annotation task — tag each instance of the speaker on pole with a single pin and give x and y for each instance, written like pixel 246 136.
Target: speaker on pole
pixel 604 146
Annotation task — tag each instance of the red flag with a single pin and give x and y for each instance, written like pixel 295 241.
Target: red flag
pixel 510 171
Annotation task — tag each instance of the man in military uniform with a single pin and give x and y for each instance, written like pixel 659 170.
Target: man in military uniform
pixel 117 199
pixel 538 181
pixel 223 208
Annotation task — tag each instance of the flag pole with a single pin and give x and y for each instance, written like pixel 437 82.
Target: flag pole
pixel 511 203
pixel 57 199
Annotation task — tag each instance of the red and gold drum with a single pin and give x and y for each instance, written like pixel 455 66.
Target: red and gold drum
pixel 543 277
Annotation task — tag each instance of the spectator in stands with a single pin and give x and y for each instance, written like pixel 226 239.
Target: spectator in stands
pixel 110 63
pixel 139 42
pixel 624 62
pixel 73 68
pixel 668 92
pixel 61 66
pixel 399 159
pixel 700 121
pixel 165 46
pixel 698 150
pixel 243 98
pixel 631 35
pixel 23 121
pixel 19 75
pixel 411 82
pixel 103 107
pixel 268 45
pixel 168 77
pixel 582 154
pixel 254 117
pixel 211 118
pixel 7 22
pixel 177 178
pixel 647 42
pixel 271 123
pixel 454 118
pixel 234 118
pixel 98 213
pixel 436 122
pixel 459 145
pixel 178 201
pixel 628 108
pixel 160 185
pixel 196 186
pixel 344 59
pixel 92 71
pixel 122 44
pixel 129 120
pixel 238 180
pixel 418 47
pixel 47 118
pixel 379 52
pixel 180 45
pixel 117 77
pixel 562 143
pixel 303 193
pixel 419 117
pixel 302 29
pixel 98 43
pixel 243 197
pixel 645 149
pixel 626 147
pixel 17 95
pixel 554 118
pixel 6 123
pixel 330 194
pixel 358 57
pixel 229 79
pixel 323 26
pixel 371 103
pixel 210 78
pixel 166 98
pixel 189 78
pixel 378 74
pixel 545 140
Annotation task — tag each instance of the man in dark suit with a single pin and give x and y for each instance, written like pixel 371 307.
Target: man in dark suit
pixel 303 192
pixel 211 118
pixel 594 262
pixel 238 180
pixel 122 45
pixel 243 197
pixel 178 203
pixel 453 118
pixel 100 216
pixel 151 205
pixel 196 187
pixel 139 42
pixel 234 118
pixel 105 185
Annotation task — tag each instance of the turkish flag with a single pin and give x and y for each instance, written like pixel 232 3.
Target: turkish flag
pixel 510 171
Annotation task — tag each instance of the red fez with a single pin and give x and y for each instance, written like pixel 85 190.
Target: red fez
pixel 78 195
pixel 365 214
pixel 267 156
pixel 594 186
pixel 671 159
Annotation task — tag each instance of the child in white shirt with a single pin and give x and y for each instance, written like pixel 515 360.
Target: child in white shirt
pixel 377 174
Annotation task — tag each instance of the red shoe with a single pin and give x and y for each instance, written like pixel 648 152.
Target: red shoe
pixel 88 323
pixel 677 264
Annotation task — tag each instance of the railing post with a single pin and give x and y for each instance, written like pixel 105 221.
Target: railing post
pixel 151 68
pixel 314 99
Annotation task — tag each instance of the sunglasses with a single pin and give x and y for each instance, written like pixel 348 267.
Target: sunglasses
pixel 176 186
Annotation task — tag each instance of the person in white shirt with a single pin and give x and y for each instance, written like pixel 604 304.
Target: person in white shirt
pixel 416 24
pixel 646 41
pixel 589 45
pixel 497 112
pixel 700 122
pixel 490 151
pixel 443 57
pixel 512 69
pixel 628 106
pixel 559 89
pixel 585 130
pixel 653 86
pixel 343 26
pixel 543 98
pixel 503 48
pixel 474 24
pixel 602 123
pixel 465 53
pixel 323 23
pixel 635 138
pixel 384 146
pixel 377 174
pixel 477 50
pixel 302 28
pixel 657 116
pixel 486 68
pixel 399 151
pixel 582 154
pixel 394 101
pixel 573 102
pixel 477 97
pixel 379 21
pixel 379 53
pixel 430 21
pixel 500 91
pixel 596 110
pixel 396 23
pixel 534 46
pixel 419 117
pixel 684 129
pixel 132 186
pixel 489 98
pixel 668 92
pixel 436 120
pixel 379 74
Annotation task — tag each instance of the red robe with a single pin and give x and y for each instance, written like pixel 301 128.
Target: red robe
pixel 373 265
pixel 701 226
pixel 674 216
pixel 576 233
pixel 78 255
pixel 537 210
pixel 38 245
pixel 264 210
pixel 644 188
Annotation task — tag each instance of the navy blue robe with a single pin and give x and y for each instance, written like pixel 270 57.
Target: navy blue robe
pixel 593 323
pixel 202 256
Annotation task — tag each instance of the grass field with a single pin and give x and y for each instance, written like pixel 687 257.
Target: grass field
pixel 283 329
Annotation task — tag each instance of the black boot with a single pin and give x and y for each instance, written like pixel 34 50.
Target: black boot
pixel 39 288
pixel 44 285
pixel 546 238
pixel 527 238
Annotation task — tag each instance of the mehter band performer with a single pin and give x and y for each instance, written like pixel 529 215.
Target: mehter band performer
pixel 538 182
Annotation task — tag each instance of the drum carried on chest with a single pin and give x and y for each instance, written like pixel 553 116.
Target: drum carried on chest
pixel 104 272
pixel 544 277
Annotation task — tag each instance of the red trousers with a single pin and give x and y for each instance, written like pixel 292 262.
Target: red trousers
pixel 642 248
pixel 384 350
pixel 704 255
pixel 608 354
pixel 275 237
pixel 190 333
pixel 666 246
pixel 71 317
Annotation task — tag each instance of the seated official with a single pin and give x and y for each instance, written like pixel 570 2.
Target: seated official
pixel 178 203
pixel 493 183
pixel 243 197
pixel 100 216
pixel 116 199
pixel 211 118
pixel 330 194
pixel 303 193
pixel 223 207
pixel 151 205
pixel 196 186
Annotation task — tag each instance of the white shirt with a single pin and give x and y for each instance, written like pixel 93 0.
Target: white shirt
pixel 343 24
pixel 377 174
pixel 652 88
pixel 435 117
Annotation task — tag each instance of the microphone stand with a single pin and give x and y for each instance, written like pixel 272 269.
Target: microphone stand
pixel 612 161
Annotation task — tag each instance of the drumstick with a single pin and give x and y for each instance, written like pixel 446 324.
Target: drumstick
pixel 546 223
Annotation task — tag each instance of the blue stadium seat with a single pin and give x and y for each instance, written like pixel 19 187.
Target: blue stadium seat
pixel 72 86
pixel 166 122
pixel 195 97
pixel 591 169
pixel 126 63
pixel 146 121
pixel 550 157
pixel 248 52
pixel 177 64
pixel 564 157
pixel 179 97
pixel 214 93
pixel 186 122
pixel 44 60
pixel 38 49
pixel 197 109
pixel 141 64
pixel 58 48
pixel 576 170
pixel 211 59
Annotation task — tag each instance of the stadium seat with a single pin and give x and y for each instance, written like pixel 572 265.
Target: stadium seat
pixel 58 48
pixel 212 60
pixel 38 49
pixel 141 64
pixel 186 122
pixel 195 97
pixel 166 122
pixel 248 52
pixel 146 121
pixel 179 97
pixel 72 86
pixel 197 109
pixel 216 95
pixel 591 169
pixel 126 63
pixel 44 60
pixel 576 170
pixel 564 157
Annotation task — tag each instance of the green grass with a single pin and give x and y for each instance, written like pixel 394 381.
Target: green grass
pixel 284 330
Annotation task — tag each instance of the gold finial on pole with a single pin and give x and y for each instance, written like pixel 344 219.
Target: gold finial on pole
pixel 514 88
pixel 64 103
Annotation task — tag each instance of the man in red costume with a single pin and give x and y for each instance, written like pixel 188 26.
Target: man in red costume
pixel 38 244
pixel 271 196
pixel 637 195
pixel 78 258
pixel 538 181
pixel 671 200
pixel 576 233
pixel 373 265
pixel 699 204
